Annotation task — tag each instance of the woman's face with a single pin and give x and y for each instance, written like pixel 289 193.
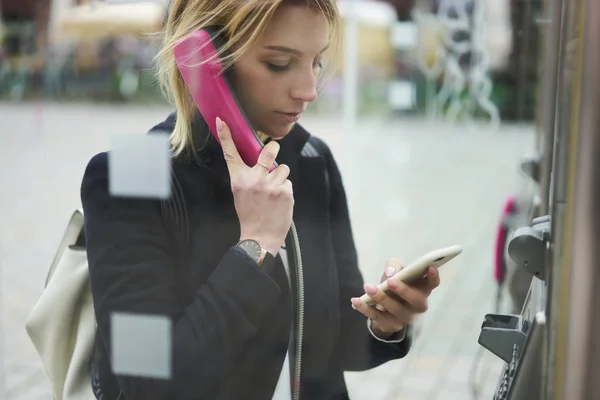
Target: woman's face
pixel 276 78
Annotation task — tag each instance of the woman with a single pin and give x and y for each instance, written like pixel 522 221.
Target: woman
pixel 228 289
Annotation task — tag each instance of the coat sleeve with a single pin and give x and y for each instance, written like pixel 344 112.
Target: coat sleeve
pixel 356 346
pixel 132 271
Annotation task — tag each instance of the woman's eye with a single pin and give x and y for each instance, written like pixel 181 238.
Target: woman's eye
pixel 318 64
pixel 277 68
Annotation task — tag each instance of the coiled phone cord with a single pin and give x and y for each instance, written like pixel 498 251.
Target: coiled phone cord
pixel 300 326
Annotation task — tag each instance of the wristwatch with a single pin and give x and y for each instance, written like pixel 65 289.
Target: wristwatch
pixel 253 249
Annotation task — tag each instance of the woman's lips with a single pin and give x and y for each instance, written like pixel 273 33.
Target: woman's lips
pixel 289 117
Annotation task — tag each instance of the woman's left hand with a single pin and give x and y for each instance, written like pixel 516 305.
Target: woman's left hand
pixel 400 306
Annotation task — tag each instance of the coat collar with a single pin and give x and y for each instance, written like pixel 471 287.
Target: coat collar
pixel 208 153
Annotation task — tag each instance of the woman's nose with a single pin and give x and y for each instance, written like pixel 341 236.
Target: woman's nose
pixel 306 88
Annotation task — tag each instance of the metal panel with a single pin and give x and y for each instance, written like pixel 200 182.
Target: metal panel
pixel 551 23
pixel 573 359
pixel 582 354
pixel 563 155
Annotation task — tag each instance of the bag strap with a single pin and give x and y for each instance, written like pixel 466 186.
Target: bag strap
pixel 71 235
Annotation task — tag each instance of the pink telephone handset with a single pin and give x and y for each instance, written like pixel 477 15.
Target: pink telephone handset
pixel 212 91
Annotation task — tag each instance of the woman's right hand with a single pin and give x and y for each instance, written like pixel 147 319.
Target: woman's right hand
pixel 264 201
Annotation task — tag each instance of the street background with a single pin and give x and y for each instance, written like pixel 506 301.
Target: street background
pixel 413 186
pixel 446 100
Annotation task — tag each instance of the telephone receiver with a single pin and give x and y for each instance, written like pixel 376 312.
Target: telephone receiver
pixel 212 92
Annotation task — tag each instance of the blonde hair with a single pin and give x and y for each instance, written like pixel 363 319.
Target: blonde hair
pixel 242 22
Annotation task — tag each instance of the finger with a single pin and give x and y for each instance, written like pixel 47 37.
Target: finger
pixel 288 185
pixel 392 267
pixel 230 152
pixel 433 278
pixel 387 325
pixel 366 310
pixel 280 174
pixel 429 282
pixel 382 319
pixel 414 297
pixel 267 156
pixel 395 306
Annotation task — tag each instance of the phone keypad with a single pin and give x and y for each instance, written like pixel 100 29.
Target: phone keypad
pixel 508 375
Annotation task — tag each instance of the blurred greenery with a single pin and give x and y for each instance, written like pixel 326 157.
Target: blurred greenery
pixel 24 84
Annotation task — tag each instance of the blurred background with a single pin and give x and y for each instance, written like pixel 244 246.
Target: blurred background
pixel 444 109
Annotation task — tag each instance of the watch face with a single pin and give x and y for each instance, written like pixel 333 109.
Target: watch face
pixel 252 248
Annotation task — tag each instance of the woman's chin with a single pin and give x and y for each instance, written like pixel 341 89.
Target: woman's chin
pixel 281 132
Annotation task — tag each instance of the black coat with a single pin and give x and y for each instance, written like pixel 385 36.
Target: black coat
pixel 230 319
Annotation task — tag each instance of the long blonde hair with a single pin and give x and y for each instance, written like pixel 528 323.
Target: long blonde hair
pixel 242 23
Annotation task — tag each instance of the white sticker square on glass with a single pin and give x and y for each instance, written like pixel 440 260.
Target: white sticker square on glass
pixel 141 345
pixel 139 166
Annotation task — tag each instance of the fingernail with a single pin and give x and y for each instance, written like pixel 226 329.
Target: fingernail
pixel 219 125
pixel 371 290
pixel 390 271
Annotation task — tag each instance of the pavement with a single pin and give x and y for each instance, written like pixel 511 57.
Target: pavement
pixel 413 186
